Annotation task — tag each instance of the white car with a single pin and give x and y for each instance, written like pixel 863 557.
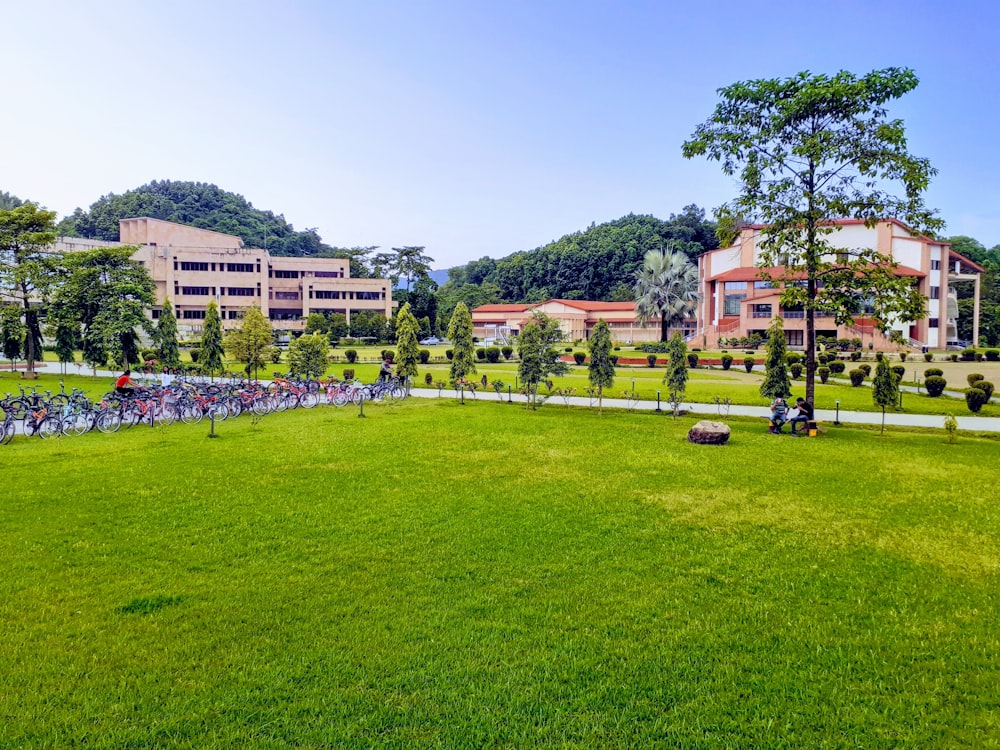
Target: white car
pixel 430 341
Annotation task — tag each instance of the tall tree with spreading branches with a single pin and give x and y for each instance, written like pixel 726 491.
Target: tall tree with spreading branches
pixel 807 150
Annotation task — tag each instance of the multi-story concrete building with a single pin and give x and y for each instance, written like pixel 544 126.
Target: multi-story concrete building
pixel 194 266
pixel 739 298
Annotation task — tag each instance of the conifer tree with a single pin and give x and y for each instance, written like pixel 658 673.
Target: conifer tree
pixel 601 369
pixel 166 336
pixel 885 389
pixel 460 334
pixel 776 372
pixel 211 341
pixel 408 350
pixel 676 375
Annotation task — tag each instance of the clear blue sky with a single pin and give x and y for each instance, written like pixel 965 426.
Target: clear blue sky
pixel 471 127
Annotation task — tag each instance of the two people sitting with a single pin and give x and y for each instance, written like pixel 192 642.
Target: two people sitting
pixel 800 414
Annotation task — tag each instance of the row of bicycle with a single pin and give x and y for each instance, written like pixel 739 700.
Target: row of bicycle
pixel 72 413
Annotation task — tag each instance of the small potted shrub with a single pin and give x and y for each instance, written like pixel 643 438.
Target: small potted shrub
pixel 748 363
pixel 727 361
pixel 857 377
pixel 928 357
pixel 974 399
pixel 349 373
pixel 692 359
pixel 796 369
pixel 824 374
pixel 579 357
pixel 352 356
pixel 651 360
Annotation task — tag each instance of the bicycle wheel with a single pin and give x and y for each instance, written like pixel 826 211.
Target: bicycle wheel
pixel 308 400
pixel 79 423
pixel 6 431
pixel 340 398
pixel 396 393
pixel 167 415
pixel 108 421
pixel 191 414
pixel 50 427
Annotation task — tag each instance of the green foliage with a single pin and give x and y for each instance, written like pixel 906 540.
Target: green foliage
pixel 407 330
pixel 538 355
pixel 425 356
pixel 951 427
pixel 885 388
pixel 601 368
pixel 857 377
pixel 599 263
pixel 837 367
pixel 928 357
pixel 307 355
pixel 195 354
pixel 972 377
pixel 986 387
pixel 480 353
pixel 935 385
pixel 727 361
pixel 460 335
pixel 931 372
pixel 992 355
pixel 368 324
pixel 352 355
pixel 974 399
pixel 651 360
pixel 250 342
pixel 677 371
pixel 666 289
pixel 211 341
pixel 692 359
pixel 166 336
pixel 824 374
pixel 866 369
pixel 507 351
pixel 493 354
pixel 796 370
pixel 197 204
pixel 809 148
pixel 776 383
pixel 12 331
pixel 749 362
pixel 348 373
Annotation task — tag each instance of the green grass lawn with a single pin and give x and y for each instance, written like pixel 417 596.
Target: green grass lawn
pixel 448 576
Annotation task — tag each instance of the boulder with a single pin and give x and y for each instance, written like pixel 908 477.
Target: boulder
pixel 706 432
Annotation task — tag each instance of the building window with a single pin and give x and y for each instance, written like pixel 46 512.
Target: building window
pixel 279 274
pixel 935 292
pixel 793 338
pixel 241 291
pixel 156 314
pixel 731 304
pixel 935 265
pixel 194 315
pixel 329 274
pixel 234 314
pixel 326 294
pixel 286 295
pixel 761 311
pixel 279 314
pixel 764 285
pixel 367 295
pixel 736 286
pixel 195 291
pixel 932 322
pixel 190 265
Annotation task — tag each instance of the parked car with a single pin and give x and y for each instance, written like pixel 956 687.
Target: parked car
pixel 430 341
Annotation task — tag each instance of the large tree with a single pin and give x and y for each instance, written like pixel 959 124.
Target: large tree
pixel 539 358
pixel 308 355
pixel 666 288
pixel 407 348
pixel 676 375
pixel 27 268
pixel 775 371
pixel 109 293
pixel 809 149
pixel 166 336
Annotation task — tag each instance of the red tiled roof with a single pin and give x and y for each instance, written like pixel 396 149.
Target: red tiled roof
pixel 753 273
pixel 591 306
pixel 965 260
pixel 501 308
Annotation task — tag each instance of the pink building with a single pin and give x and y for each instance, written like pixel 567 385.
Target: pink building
pixel 739 298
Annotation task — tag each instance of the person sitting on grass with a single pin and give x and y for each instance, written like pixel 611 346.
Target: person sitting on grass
pixel 779 410
pixel 385 372
pixel 803 415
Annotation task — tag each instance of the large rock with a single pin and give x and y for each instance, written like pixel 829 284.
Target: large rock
pixel 709 433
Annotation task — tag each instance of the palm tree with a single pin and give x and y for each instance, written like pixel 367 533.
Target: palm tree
pixel 666 287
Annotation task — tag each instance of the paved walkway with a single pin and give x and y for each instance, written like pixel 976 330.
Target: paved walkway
pixel 970 422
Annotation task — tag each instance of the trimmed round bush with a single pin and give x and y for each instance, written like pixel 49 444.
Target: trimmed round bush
pixel 974 399
pixel 352 356
pixel 579 357
pixel 388 354
pixel 992 355
pixel 899 371
pixel 824 374
pixel 866 369
pixel 972 377
pixel 692 359
pixel 933 372
pixel 878 356
pixel 349 373
pixel 792 357
pixel 727 361
pixel 837 367
pixel 902 356
pixel 493 354
pixel 857 377
pixel 428 379
pixel 507 351
pixel 969 355
pixel 748 363
pixel 424 355
pixel 796 369
pixel 480 354
pixel 928 357
pixel 935 385
pixel 985 386
pixel 195 353
pixel 855 356
pixel 651 360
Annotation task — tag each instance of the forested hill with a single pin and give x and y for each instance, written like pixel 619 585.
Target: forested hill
pixel 198 204
pixel 597 264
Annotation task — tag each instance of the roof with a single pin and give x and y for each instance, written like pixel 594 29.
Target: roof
pixel 965 260
pixel 592 306
pixel 501 308
pixel 753 273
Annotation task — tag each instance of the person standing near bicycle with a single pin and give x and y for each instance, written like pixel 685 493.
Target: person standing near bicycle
pixel 385 372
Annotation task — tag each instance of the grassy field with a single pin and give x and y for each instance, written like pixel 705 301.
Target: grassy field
pixel 447 576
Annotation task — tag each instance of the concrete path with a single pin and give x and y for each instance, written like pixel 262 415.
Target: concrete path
pixel 970 422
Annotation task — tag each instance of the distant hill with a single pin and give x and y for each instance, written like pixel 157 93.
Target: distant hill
pixel 197 204
pixel 439 277
pixel 597 264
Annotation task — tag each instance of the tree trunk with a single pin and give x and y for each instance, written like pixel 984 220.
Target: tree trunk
pixel 663 328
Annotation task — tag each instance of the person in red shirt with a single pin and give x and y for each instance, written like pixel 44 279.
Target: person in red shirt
pixel 125 385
